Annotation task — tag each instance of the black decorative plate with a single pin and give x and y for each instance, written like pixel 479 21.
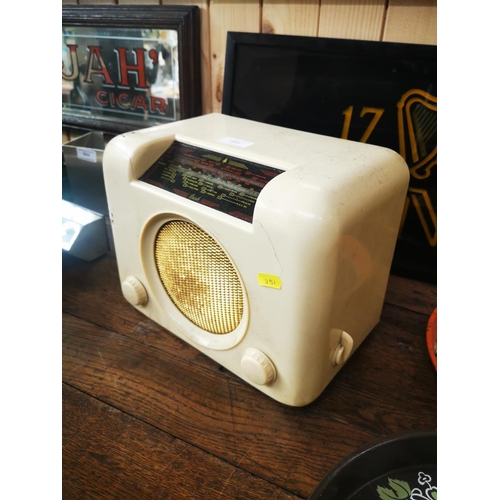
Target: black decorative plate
pixel 395 468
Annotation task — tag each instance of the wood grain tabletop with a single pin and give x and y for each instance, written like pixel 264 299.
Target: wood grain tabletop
pixel 147 416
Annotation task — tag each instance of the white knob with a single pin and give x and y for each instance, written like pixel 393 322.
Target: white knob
pixel 134 291
pixel 343 349
pixel 258 367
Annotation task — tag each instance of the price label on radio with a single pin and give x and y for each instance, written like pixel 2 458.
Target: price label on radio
pixel 269 280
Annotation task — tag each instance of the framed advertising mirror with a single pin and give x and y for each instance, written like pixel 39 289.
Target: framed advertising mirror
pixel 126 67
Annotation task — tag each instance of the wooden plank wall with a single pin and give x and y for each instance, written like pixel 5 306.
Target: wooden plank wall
pixel 413 21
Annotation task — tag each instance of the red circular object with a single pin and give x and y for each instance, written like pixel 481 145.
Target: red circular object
pixel 431 336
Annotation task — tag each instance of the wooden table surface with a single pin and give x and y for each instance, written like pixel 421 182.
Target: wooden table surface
pixel 146 416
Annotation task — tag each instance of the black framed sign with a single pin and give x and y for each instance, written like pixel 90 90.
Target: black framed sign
pixel 376 92
pixel 126 67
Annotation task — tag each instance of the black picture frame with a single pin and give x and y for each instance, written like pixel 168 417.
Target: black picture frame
pixel 185 20
pixel 324 85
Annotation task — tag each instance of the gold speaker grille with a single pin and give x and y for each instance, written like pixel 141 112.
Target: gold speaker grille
pixel 199 277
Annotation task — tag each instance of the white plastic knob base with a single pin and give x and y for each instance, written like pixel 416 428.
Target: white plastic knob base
pixel 343 350
pixel 134 291
pixel 258 367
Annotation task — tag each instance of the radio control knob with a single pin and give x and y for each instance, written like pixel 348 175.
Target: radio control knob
pixel 258 367
pixel 134 291
pixel 343 349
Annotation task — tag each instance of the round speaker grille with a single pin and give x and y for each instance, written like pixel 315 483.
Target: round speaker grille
pixel 199 277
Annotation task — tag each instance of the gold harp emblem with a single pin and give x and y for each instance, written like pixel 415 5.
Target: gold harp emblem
pixel 417 129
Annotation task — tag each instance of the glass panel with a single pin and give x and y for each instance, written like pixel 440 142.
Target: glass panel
pixel 121 74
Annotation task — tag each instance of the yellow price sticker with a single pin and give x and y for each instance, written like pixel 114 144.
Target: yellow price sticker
pixel 269 280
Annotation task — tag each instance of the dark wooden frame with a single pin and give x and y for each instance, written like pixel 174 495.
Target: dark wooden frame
pixel 184 19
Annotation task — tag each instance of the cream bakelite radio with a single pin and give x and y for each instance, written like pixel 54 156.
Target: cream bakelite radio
pixel 267 249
